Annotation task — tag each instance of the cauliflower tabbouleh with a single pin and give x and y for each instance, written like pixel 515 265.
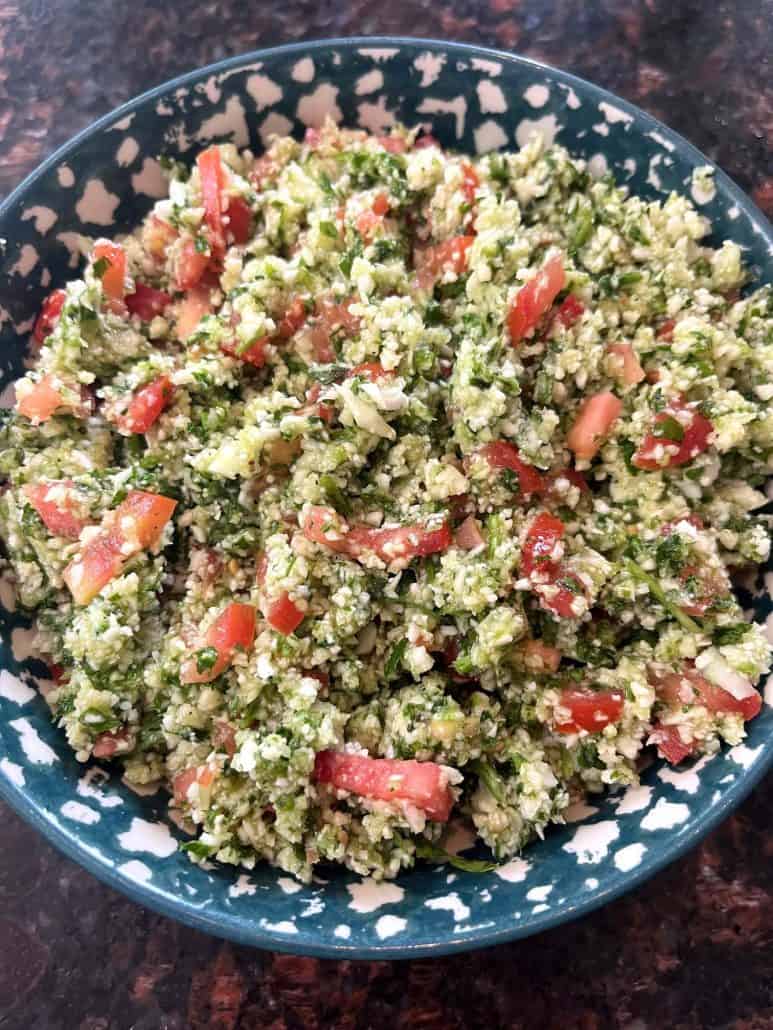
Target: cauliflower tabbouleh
pixel 368 483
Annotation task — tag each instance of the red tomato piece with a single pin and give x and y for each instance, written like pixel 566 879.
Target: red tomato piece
pixel 503 455
pixel 370 370
pixel 158 236
pixel 234 627
pixel 689 687
pixel 662 451
pixel 331 317
pixel 108 744
pixel 49 315
pixel 41 402
pixel 192 308
pixel 146 405
pixel 542 553
pixel 114 276
pixel 470 182
pixel 283 615
pixel 539 656
pixel 433 262
pixel 571 475
pixel 589 710
pixel 224 737
pixel 201 774
pixel 570 311
pixel 669 743
pixel 292 320
pixel 254 355
pixel 191 264
pixel 593 423
pixel 141 518
pixel 468 536
pixel 147 302
pixel 629 370
pixel 535 297
pixel 239 219
pixel 326 527
pixel 666 331
pixel 423 784
pixel 213 181
pixel 56 506
pixel 99 562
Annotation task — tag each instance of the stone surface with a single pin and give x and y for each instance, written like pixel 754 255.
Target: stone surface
pixel 693 948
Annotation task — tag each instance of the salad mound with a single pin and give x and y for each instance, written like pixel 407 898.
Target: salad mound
pixel 368 484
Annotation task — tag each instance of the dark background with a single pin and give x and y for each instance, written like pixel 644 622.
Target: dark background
pixel 691 949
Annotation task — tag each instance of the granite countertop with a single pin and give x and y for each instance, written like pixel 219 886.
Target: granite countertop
pixel 693 948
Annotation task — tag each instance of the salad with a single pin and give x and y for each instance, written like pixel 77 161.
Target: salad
pixel 366 485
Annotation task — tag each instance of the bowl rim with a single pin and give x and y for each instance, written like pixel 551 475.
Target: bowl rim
pixel 249 932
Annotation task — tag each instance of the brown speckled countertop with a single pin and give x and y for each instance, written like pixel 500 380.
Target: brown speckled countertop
pixel 693 948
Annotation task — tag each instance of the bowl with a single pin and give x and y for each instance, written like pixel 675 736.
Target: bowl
pixel 104 181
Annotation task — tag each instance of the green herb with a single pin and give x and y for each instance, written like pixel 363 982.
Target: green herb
pixel 491 779
pixel 99 721
pixel 326 185
pixel 394 661
pixel 335 494
pixel 434 853
pixel 328 229
pixel 198 849
pixel 733 634
pixel 206 658
pixel 659 594
pixel 201 245
pixel 669 428
pixel 100 266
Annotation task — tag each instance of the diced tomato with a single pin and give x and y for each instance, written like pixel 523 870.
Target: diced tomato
pixel 541 552
pixel 56 506
pixel 147 302
pixel 669 743
pixel 670 527
pixel 689 687
pixel 470 182
pixel 591 427
pixel 224 737
pixel 393 144
pixel 234 627
pixel 572 476
pixel 570 311
pixel 589 710
pixel 204 775
pixel 433 262
pixel 316 408
pixel 423 784
pixel 283 615
pixel 468 536
pixel 110 743
pixel 373 218
pixel 146 405
pixel 292 320
pixel 239 219
pixel 213 181
pixel 49 315
pixel 370 370
pixel 503 455
pixel 58 673
pixel 666 331
pixel 114 276
pixel 535 297
pixel 254 354
pixel 331 317
pixel 191 264
pixel 629 371
pixel 661 450
pixel 192 308
pixel 158 236
pixel 539 656
pixel 41 402
pixel 326 527
pixel 134 526
pixel 264 170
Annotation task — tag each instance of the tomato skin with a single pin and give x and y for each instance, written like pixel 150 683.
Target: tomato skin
pixel 570 311
pixel 191 264
pixel 212 179
pixel 99 562
pixel 572 475
pixel 192 308
pixel 283 615
pixel 589 710
pixel 694 441
pixel 432 262
pixel 158 236
pixel 201 774
pixel 51 502
pixel 535 297
pixel 370 370
pixel 239 219
pixel 292 320
pixel 146 405
pixel 326 527
pixel 470 182
pixel 49 315
pixel 254 355
pixel 234 627
pixel 113 278
pixel 669 743
pixel 110 743
pixel 371 220
pixel 593 423
pixel 420 783
pixel 330 317
pixel 630 370
pixel 666 331
pixel 539 656
pixel 539 549
pixel 147 302
pixel 42 401
pixel 689 687
pixel 503 455
pixel 468 536
pixel 142 517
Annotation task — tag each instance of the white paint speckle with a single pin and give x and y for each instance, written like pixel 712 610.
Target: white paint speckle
pixel 539 893
pixel 652 176
pixel 97 205
pixel 687 781
pixel 635 799
pixel 537 95
pixel 450 903
pixel 288 886
pixel 127 152
pixel 42 217
pixel 485 895
pixel 547 127
pixel 456 107
pixel 591 843
pixel 702 187
pixel 665 815
pixel 315 107
pixel 630 166
pixel 65 176
pixel 629 857
pixel 572 100
pixel 482 64
pixel 232 122
pixel 388 926
pixel 743 755
pixel 614 114
pixel 150 180
pixel 662 140
pixel 379 53
pixel 26 261
pixel 430 65
pixel 369 895
pixel 136 871
pixel 123 123
pixel 86 789
pixel 243 886
pixel 283 926
pixel 303 70
pixel 591 883
pixel 79 813
pixel 601 128
pixel 539 908
pixel 488 136
pixel 733 212
pixel 514 871
pixel 274 124
pixel 343 932
pixel 597 166
pixel 152 838
pixel 35 749
pixel 375 117
pixel 314 906
pixel 490 97
pixel 12 688
pixel 13 772
pixel 76 246
pixel 370 82
pixel 264 91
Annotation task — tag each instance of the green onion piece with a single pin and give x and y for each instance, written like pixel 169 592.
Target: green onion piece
pixel 433 853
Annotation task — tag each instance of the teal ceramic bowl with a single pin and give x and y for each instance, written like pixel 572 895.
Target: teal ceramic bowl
pixel 104 181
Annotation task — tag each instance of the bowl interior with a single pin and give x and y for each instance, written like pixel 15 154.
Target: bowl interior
pixel 103 182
